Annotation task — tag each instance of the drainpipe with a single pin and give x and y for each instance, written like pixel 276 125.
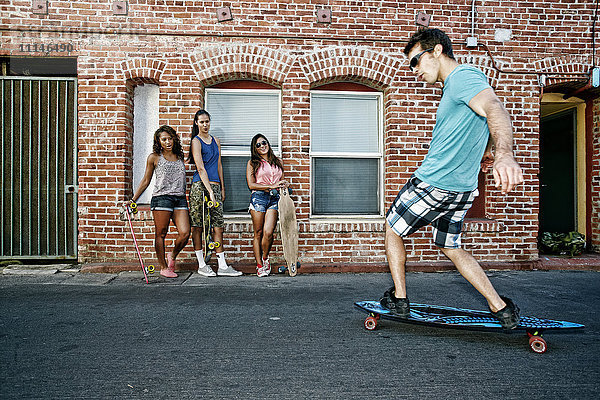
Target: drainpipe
pixel 589 149
pixel 472 40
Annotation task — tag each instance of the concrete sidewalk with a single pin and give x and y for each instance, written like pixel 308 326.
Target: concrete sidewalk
pixel 585 262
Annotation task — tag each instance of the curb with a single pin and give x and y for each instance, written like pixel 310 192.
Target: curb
pixel 24 269
pixel 585 263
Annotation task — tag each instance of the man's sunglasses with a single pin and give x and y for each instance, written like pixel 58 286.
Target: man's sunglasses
pixel 415 60
pixel 260 144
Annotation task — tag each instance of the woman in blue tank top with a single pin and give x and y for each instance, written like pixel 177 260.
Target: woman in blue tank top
pixel 205 154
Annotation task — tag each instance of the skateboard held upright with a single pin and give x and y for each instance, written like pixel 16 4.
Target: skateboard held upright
pixel 132 209
pixel 289 231
pixel 208 243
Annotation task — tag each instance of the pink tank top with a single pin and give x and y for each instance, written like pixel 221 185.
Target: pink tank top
pixel 268 174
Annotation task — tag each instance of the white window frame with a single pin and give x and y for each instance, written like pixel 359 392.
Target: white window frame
pixel 246 153
pixel 145 123
pixel 322 154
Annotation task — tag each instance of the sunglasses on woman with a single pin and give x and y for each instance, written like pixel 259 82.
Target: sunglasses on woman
pixel 262 143
pixel 415 60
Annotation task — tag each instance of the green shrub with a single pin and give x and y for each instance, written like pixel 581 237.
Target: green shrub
pixel 572 243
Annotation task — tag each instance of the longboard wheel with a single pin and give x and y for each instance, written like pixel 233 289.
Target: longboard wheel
pixel 133 207
pixel 217 245
pixel 537 344
pixel 211 245
pixel 210 204
pixel 371 323
pixel 150 269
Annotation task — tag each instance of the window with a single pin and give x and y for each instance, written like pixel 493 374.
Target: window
pixel 236 116
pixel 145 123
pixel 346 153
pixel 38 66
pixel 477 210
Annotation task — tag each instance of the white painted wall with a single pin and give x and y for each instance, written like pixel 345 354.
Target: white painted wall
pixel 145 123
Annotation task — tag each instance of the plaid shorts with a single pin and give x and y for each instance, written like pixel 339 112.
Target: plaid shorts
pixel 419 204
pixel 197 193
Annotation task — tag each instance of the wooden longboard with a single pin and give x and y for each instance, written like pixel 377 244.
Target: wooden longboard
pixel 289 231
pixel 460 318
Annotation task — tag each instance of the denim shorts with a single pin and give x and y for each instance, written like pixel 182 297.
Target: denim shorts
pixel 419 204
pixel 168 203
pixel 262 201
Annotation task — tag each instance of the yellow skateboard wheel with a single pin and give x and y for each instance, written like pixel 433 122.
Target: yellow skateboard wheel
pixel 217 245
pixel 211 245
pixel 150 269
pixel 210 204
pixel 133 207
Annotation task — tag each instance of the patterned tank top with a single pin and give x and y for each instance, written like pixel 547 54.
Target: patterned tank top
pixel 170 177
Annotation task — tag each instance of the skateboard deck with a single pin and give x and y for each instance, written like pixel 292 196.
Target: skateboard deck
pixel 461 318
pixel 132 209
pixel 208 244
pixel 289 231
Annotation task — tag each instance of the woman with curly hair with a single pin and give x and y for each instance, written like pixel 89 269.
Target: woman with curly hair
pixel 168 199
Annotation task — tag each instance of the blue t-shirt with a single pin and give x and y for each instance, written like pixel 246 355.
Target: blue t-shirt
pixel 210 156
pixel 460 135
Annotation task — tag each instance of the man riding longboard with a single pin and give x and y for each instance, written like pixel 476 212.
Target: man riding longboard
pixel 470 121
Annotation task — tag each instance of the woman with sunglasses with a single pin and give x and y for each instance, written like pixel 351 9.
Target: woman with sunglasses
pixel 264 174
pixel 205 154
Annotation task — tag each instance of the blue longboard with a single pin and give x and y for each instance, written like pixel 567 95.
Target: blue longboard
pixel 461 318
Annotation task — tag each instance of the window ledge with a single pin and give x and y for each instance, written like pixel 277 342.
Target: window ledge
pixel 346 224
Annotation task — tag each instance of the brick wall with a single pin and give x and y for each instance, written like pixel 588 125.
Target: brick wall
pixel 181 46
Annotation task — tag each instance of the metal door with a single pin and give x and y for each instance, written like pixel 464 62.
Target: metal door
pixel 558 183
pixel 38 168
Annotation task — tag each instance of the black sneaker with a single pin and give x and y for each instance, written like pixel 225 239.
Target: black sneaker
pixel 399 307
pixel 509 315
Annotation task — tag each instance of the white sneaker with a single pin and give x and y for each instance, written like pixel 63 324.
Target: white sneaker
pixel 262 272
pixel 206 271
pixel 267 267
pixel 227 270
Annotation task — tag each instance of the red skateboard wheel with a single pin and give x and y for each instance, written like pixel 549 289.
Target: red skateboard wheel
pixel 371 323
pixel 537 344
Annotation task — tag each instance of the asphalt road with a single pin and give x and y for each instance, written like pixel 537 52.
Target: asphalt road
pixel 100 336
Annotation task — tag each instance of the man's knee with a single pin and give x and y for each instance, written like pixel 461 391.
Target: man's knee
pixel 391 234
